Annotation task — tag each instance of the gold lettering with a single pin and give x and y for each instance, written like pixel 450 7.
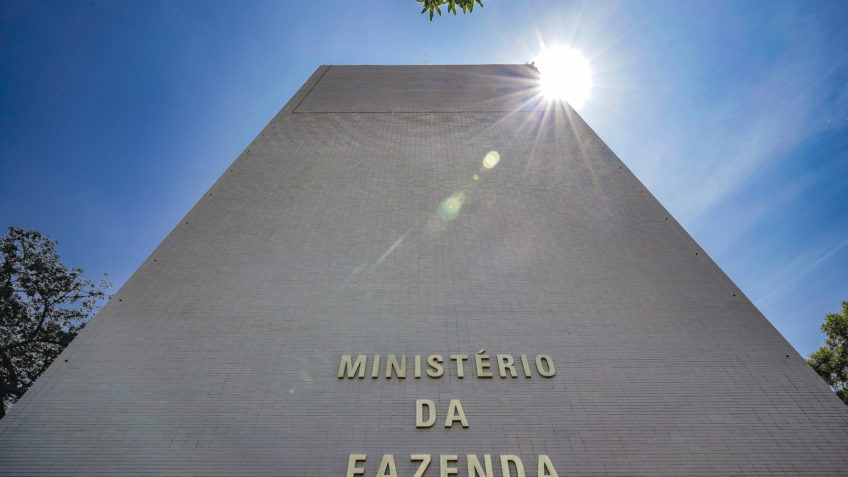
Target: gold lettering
pixel 375 367
pixel 420 404
pixel 459 358
pixel 546 468
pixel 352 368
pixel 505 362
pixel 444 462
pixel 455 413
pixel 425 461
pixel 550 371
pixel 436 370
pixel 387 467
pixel 525 365
pixel 399 368
pixel 519 467
pixel 476 470
pixel 482 364
pixel 352 469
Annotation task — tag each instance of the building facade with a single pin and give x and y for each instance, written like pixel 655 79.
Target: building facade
pixel 416 270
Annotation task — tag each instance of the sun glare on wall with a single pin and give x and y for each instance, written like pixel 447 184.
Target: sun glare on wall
pixel 564 75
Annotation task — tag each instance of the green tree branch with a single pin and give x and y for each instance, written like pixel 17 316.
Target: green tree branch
pixel 467 6
pixel 831 360
pixel 43 305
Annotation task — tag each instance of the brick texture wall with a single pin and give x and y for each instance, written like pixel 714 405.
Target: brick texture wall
pixel 354 224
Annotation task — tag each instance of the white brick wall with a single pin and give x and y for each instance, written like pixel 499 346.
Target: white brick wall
pixel 220 355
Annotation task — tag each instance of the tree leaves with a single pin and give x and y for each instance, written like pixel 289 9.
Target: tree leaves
pixel 43 305
pixel 831 360
pixel 467 6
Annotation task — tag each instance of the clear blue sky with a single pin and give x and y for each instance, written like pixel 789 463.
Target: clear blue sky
pixel 116 116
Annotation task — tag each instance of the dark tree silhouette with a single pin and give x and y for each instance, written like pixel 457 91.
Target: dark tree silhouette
pixel 831 360
pixel 43 305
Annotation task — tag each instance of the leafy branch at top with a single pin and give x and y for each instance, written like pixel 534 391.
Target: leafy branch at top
pixel 467 6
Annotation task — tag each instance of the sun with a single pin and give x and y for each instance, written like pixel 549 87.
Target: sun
pixel 565 75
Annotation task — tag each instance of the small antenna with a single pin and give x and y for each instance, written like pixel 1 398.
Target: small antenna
pixel 425 57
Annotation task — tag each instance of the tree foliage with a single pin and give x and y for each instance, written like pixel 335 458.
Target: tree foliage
pixel 467 6
pixel 831 360
pixel 43 305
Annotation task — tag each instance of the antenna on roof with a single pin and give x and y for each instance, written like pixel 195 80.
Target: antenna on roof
pixel 425 57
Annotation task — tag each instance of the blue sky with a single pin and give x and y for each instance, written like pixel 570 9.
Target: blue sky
pixel 116 116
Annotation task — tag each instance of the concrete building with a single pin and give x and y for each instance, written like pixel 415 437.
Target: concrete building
pixel 542 307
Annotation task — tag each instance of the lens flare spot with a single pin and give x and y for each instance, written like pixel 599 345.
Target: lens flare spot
pixel 475 177
pixel 491 160
pixel 449 208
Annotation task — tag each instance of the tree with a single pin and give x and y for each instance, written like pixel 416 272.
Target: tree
pixel 831 360
pixel 467 6
pixel 43 305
